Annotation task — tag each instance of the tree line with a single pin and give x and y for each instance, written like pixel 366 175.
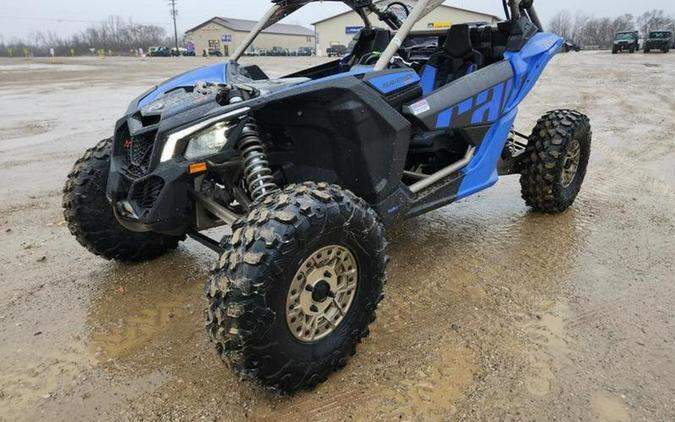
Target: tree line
pixel 589 31
pixel 115 35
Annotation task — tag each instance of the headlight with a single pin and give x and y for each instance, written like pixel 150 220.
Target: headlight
pixel 204 138
pixel 207 143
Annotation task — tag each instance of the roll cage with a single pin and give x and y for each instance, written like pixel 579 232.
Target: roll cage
pixel 280 9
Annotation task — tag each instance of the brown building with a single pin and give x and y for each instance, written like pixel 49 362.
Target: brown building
pixel 225 35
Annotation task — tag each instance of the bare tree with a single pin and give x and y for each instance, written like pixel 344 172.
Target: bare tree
pixel 655 20
pixel 562 24
pixel 625 23
pixel 592 31
pixel 115 34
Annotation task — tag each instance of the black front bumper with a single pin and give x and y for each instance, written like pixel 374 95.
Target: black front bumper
pixel 156 202
pixel 146 194
pixel 657 45
pixel 624 47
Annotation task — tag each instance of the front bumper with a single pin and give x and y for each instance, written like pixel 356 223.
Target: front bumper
pixel 657 45
pixel 626 46
pixel 155 202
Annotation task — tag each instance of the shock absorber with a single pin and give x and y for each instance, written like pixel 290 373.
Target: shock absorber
pixel 257 173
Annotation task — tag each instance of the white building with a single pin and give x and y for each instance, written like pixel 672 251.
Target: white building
pixel 340 29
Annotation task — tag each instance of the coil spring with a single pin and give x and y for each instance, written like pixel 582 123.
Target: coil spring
pixel 257 172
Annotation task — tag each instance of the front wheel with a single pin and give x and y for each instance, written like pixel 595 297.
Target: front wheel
pixel 555 161
pixel 297 287
pixel 90 218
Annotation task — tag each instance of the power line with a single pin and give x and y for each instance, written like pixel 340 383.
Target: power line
pixel 74 20
pixel 174 13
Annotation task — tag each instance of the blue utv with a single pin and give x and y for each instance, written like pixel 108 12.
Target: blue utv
pixel 306 171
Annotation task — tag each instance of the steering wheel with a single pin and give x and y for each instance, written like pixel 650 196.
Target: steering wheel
pixel 398 11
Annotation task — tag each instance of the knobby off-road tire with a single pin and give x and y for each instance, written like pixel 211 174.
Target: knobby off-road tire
pixel 90 217
pixel 248 290
pixel 545 180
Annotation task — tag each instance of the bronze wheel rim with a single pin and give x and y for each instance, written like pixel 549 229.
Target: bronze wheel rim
pixel 321 293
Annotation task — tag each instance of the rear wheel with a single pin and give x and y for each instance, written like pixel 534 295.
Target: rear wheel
pixel 297 287
pixel 90 218
pixel 555 161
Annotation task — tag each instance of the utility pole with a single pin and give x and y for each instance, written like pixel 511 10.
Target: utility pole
pixel 174 13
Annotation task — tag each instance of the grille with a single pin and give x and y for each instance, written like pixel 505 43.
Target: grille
pixel 146 192
pixel 137 154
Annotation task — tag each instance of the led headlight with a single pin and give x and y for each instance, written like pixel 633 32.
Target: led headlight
pixel 207 142
pixel 204 138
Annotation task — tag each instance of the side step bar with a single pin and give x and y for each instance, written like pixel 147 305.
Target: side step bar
pixel 428 180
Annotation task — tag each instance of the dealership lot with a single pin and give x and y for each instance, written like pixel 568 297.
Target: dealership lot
pixel 490 312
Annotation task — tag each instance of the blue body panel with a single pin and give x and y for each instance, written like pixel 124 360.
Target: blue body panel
pixel 428 79
pixel 216 73
pixel 528 64
pixel 481 173
pixel 497 106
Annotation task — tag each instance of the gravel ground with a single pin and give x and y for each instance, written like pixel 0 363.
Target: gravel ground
pixel 492 312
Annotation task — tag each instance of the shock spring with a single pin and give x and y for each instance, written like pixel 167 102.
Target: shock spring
pixel 257 172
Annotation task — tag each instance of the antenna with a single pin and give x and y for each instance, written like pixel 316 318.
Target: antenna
pixel 174 13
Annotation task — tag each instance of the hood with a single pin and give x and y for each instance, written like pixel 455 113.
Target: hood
pixel 159 98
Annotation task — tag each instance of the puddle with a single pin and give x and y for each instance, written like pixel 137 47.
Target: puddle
pixel 607 408
pixel 143 305
pixel 26 128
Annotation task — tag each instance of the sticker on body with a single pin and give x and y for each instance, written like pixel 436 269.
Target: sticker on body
pixel 420 107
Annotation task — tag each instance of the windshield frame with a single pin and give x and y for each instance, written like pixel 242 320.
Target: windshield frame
pixel 281 10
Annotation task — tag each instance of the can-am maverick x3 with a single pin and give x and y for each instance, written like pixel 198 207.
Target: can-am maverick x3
pixel 308 169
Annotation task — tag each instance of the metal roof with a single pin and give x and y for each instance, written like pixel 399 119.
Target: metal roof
pixel 443 5
pixel 243 25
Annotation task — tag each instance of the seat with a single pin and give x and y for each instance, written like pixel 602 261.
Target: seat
pixel 457 57
pixel 368 45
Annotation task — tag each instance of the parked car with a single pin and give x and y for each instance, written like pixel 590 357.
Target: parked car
pixel 253 52
pixel 159 52
pixel 337 50
pixel 180 51
pixel 570 46
pixel 659 40
pixel 305 51
pixel 214 52
pixel 626 41
pixel 278 51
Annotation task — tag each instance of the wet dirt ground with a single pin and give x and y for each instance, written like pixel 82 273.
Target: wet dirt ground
pixel 492 312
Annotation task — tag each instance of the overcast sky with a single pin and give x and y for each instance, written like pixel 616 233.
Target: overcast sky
pixel 20 18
